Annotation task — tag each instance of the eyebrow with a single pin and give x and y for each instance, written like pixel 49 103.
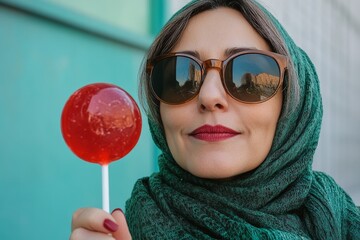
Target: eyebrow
pixel 234 50
pixel 227 52
pixel 192 53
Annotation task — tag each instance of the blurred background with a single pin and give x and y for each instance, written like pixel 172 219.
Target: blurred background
pixel 50 48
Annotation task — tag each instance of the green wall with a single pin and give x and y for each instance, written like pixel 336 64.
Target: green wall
pixel 47 52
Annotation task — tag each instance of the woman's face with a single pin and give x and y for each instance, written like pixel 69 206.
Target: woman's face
pixel 218 153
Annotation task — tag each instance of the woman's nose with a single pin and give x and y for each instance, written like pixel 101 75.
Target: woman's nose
pixel 212 95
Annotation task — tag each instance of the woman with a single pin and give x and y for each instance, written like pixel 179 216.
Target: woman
pixel 236 159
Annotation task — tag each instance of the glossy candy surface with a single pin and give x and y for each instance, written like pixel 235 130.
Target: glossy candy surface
pixel 101 123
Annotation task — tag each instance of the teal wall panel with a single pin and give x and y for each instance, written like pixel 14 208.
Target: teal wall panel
pixel 132 15
pixel 42 62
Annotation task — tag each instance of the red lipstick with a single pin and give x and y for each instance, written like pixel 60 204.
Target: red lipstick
pixel 213 133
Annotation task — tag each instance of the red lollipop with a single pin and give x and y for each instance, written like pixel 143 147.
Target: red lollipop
pixel 101 123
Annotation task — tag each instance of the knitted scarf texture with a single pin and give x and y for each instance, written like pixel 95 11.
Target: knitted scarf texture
pixel 281 199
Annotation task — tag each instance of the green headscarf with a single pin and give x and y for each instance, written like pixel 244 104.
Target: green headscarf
pixel 281 199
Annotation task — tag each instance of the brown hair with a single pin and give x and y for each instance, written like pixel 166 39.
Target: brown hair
pixel 172 31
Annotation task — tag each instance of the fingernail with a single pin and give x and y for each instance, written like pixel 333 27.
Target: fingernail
pixel 110 225
pixel 117 209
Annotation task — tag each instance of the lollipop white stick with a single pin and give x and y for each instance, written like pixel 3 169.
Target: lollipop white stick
pixel 105 187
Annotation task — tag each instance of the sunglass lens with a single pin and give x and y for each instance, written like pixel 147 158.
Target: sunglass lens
pixel 252 77
pixel 176 79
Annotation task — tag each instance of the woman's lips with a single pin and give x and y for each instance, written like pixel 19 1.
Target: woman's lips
pixel 213 133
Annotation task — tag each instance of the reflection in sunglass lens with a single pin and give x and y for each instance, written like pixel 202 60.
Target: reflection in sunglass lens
pixel 176 79
pixel 252 77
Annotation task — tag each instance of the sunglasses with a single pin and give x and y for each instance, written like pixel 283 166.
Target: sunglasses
pixel 250 76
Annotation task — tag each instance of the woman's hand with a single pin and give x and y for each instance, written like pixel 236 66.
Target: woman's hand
pixel 96 224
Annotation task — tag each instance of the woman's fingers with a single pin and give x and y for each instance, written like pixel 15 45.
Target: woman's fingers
pixel 95 220
pixel 84 234
pixel 93 223
pixel 123 232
